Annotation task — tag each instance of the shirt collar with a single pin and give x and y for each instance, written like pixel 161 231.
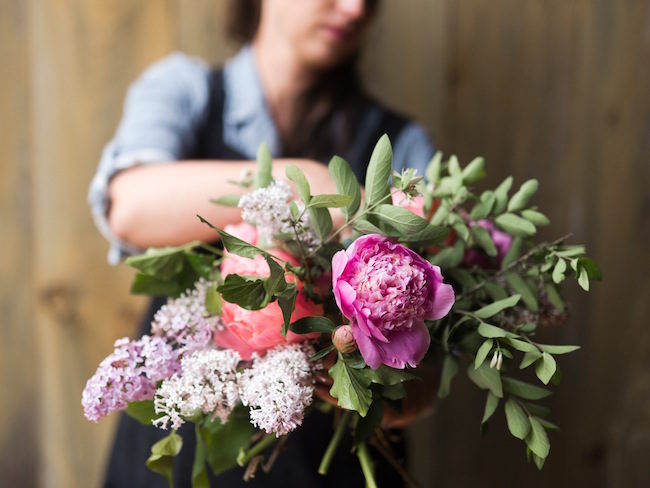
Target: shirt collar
pixel 246 117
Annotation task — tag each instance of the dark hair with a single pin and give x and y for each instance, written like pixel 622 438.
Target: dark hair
pixel 328 112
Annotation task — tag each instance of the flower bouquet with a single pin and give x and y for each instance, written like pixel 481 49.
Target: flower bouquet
pixel 295 314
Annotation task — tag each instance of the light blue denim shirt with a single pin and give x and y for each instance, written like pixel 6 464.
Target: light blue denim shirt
pixel 167 104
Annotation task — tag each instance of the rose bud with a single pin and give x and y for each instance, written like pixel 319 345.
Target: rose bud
pixel 343 339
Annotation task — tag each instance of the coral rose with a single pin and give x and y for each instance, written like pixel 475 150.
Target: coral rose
pixel 388 291
pixel 249 331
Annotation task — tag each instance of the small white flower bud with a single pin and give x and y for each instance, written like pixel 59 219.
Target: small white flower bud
pixel 499 361
pixel 495 357
pixel 343 339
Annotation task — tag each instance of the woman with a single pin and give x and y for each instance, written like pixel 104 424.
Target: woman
pixel 293 86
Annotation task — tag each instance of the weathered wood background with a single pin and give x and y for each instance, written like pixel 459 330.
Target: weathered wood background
pixel 555 89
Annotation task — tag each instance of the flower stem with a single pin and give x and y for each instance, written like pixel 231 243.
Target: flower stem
pixel 366 465
pixel 245 456
pixel 334 443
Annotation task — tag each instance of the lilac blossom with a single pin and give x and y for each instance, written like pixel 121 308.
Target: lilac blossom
pixel 183 322
pixel 205 384
pixel 388 291
pixel 129 374
pixel 278 387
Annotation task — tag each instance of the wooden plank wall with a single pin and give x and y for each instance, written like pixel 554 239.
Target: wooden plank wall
pixel 545 88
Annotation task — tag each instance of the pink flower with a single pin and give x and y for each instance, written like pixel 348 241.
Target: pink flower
pixel 250 331
pixel 244 231
pixel 502 241
pixel 415 205
pixel 388 291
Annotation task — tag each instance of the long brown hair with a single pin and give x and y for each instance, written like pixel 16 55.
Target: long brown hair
pixel 327 113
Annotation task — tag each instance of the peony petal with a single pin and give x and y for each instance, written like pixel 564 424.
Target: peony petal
pixel 368 349
pixel 442 302
pixel 345 297
pixel 339 261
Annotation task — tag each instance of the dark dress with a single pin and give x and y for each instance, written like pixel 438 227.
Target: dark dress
pixel 298 464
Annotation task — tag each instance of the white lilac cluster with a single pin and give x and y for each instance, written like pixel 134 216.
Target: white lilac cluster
pixel 206 384
pixel 268 209
pixel 129 374
pixel 182 320
pixel 278 387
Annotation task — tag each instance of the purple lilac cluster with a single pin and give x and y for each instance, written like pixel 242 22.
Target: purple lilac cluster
pixel 129 374
pixel 183 322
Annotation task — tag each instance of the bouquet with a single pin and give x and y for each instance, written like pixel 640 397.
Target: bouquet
pixel 294 314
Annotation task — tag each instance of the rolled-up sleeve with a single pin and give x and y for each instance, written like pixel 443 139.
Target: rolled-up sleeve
pixel 161 115
pixel 413 148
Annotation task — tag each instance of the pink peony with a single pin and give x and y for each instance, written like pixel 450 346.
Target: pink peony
pixel 388 291
pixel 244 231
pixel 415 204
pixel 249 331
pixel 502 241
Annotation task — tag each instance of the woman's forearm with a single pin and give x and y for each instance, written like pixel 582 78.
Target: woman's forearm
pixel 156 205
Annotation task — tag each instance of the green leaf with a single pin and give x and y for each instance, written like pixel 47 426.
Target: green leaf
pixel 583 279
pixel 234 244
pixel 203 264
pixel 161 460
pixel 223 441
pixel 558 349
pixel 350 387
pixel 455 174
pixel 276 282
pixel 484 240
pixel 501 195
pixel 496 292
pixel 529 358
pixel 487 330
pixel 378 173
pixel 537 440
pixel 199 473
pixel 554 297
pixel 295 174
pixel 474 171
pixel 323 352
pixel 518 423
pixel 513 253
pixel 387 376
pixel 496 307
pixel 164 263
pixel 482 352
pixel 520 199
pixel 449 370
pixel 263 177
pixel 558 271
pixel 432 173
pixel 307 325
pixel 363 226
pixel 330 201
pixel 545 368
pixel 321 221
pixel 491 404
pixel 367 425
pixel 247 293
pixel 449 257
pixel 212 300
pixel 430 235
pixel 226 200
pixel 142 411
pixel 287 302
pixel 346 183
pixel 400 219
pixel 517 283
pixel 535 217
pixel 486 378
pixel 515 225
pixel 570 251
pixel 484 206
pixel 148 285
pixel 462 277
pixel 547 424
pixel 524 390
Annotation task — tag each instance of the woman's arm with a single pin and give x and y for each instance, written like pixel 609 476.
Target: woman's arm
pixel 156 205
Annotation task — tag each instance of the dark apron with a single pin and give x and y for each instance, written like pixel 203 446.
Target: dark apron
pixel 297 466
